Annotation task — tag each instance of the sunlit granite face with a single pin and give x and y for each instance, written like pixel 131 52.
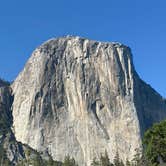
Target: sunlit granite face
pixel 80 97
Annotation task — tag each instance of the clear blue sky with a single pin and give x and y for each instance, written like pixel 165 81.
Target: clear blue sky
pixel 141 24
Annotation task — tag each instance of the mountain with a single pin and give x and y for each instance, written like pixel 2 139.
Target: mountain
pixel 13 152
pixel 7 139
pixel 80 97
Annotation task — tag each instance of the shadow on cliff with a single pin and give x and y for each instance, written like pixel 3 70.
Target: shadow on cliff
pixel 150 105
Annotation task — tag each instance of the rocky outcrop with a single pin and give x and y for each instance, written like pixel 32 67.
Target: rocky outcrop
pixel 81 97
pixel 150 106
pixel 13 152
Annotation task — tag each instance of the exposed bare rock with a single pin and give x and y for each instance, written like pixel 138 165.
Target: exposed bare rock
pixel 81 97
pixel 11 151
pixel 9 146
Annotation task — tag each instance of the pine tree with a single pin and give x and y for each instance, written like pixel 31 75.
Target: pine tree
pixel 69 161
pixel 155 143
pixel 128 163
pixel 95 162
pixel 104 160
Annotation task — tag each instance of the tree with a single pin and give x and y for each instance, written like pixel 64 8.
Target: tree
pixel 3 157
pixel 128 162
pixel 69 161
pixel 37 161
pixel 95 162
pixel 104 160
pixel 155 143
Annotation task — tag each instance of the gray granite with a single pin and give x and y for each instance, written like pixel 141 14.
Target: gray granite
pixel 80 97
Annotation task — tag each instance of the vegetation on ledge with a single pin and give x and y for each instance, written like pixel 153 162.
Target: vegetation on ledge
pixel 154 153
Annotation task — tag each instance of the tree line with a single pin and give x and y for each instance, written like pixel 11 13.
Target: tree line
pixel 153 154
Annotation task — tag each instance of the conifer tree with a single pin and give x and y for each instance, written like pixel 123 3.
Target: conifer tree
pixel 104 160
pixel 69 161
pixel 155 143
pixel 128 163
pixel 95 162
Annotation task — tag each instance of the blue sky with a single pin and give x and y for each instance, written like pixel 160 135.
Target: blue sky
pixel 141 24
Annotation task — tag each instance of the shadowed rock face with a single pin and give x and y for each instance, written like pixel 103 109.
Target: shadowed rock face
pixel 13 149
pixel 13 152
pixel 81 97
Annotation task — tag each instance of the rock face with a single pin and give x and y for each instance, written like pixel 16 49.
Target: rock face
pixel 80 97
pixel 13 152
pixel 8 143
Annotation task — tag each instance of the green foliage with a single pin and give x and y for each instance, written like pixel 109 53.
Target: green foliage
pixel 128 163
pixel 155 143
pixel 69 161
pixel 153 154
pixel 138 160
pixel 104 160
pixel 38 161
pixel 32 157
pixel 4 120
pixel 3 158
pixel 51 162
pixel 95 162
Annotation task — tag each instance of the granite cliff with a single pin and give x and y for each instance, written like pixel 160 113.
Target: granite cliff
pixel 12 152
pixel 80 97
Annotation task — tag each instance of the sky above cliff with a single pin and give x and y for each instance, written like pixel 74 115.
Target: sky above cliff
pixel 24 25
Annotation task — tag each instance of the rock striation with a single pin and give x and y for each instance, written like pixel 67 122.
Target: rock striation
pixel 80 97
pixel 13 152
